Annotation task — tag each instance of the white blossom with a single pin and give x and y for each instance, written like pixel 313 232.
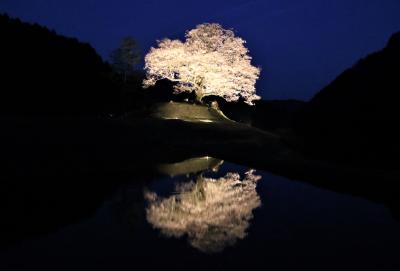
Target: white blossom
pixel 211 61
pixel 213 213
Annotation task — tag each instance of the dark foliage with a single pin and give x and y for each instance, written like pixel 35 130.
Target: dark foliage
pixel 354 119
pixel 126 57
pixel 45 73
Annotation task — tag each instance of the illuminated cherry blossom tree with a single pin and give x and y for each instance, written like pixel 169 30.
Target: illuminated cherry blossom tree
pixel 213 213
pixel 211 61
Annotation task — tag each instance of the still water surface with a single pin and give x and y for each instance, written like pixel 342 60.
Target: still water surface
pixel 207 214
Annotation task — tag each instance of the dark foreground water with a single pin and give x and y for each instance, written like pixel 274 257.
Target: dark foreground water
pixel 219 216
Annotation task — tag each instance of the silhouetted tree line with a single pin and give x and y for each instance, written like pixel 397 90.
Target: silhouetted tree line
pixel 45 73
pixel 355 118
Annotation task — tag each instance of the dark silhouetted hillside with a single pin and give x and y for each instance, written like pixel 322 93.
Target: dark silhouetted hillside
pixel 45 73
pixel 355 118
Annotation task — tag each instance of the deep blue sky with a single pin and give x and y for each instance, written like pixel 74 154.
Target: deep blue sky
pixel 301 45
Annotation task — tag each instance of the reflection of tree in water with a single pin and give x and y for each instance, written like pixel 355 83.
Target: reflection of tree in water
pixel 214 213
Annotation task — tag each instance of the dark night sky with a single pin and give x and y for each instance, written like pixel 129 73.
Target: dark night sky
pixel 300 44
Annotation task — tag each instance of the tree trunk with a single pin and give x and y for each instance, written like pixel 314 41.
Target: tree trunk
pixel 199 96
pixel 199 90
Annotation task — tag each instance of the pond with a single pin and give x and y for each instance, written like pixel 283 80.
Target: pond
pixel 208 214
